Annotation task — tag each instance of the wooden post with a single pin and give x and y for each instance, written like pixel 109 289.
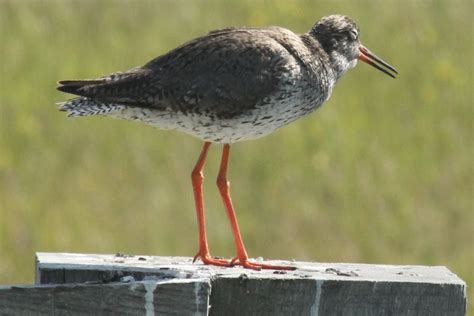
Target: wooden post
pixel 144 285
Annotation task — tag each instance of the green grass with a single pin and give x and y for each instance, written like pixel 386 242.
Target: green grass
pixel 382 173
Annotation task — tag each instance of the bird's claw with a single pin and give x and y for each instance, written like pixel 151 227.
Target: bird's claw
pixel 245 263
pixel 206 258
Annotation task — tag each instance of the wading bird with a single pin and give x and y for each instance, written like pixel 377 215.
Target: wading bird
pixel 230 85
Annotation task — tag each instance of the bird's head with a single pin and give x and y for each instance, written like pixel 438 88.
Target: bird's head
pixel 339 37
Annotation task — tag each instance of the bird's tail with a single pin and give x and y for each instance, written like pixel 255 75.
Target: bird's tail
pixel 84 106
pixel 103 95
pixel 75 86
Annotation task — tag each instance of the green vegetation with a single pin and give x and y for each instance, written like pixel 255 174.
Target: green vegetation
pixel 382 173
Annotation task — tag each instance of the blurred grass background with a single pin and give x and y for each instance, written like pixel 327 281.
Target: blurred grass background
pixel 382 173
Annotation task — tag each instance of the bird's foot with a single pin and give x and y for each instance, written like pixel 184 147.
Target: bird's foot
pixel 244 262
pixel 206 258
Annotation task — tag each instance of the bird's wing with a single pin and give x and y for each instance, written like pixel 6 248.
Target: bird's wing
pixel 224 72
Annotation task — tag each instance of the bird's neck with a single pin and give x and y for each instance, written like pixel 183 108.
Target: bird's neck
pixel 320 61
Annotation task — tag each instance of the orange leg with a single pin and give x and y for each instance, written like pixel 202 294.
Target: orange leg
pixel 224 185
pixel 197 177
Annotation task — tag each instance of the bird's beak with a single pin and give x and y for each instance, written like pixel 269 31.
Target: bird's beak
pixel 370 58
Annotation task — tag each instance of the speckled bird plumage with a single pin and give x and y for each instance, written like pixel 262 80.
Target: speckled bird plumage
pixel 230 85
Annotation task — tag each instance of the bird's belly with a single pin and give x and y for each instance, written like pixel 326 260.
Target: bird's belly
pixel 270 114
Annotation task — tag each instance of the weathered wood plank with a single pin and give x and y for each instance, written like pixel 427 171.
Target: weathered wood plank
pixel 312 289
pixel 170 297
pixel 331 297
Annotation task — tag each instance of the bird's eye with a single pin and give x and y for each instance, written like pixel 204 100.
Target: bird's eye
pixel 354 34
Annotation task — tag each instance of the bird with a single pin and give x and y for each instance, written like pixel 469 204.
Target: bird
pixel 230 85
